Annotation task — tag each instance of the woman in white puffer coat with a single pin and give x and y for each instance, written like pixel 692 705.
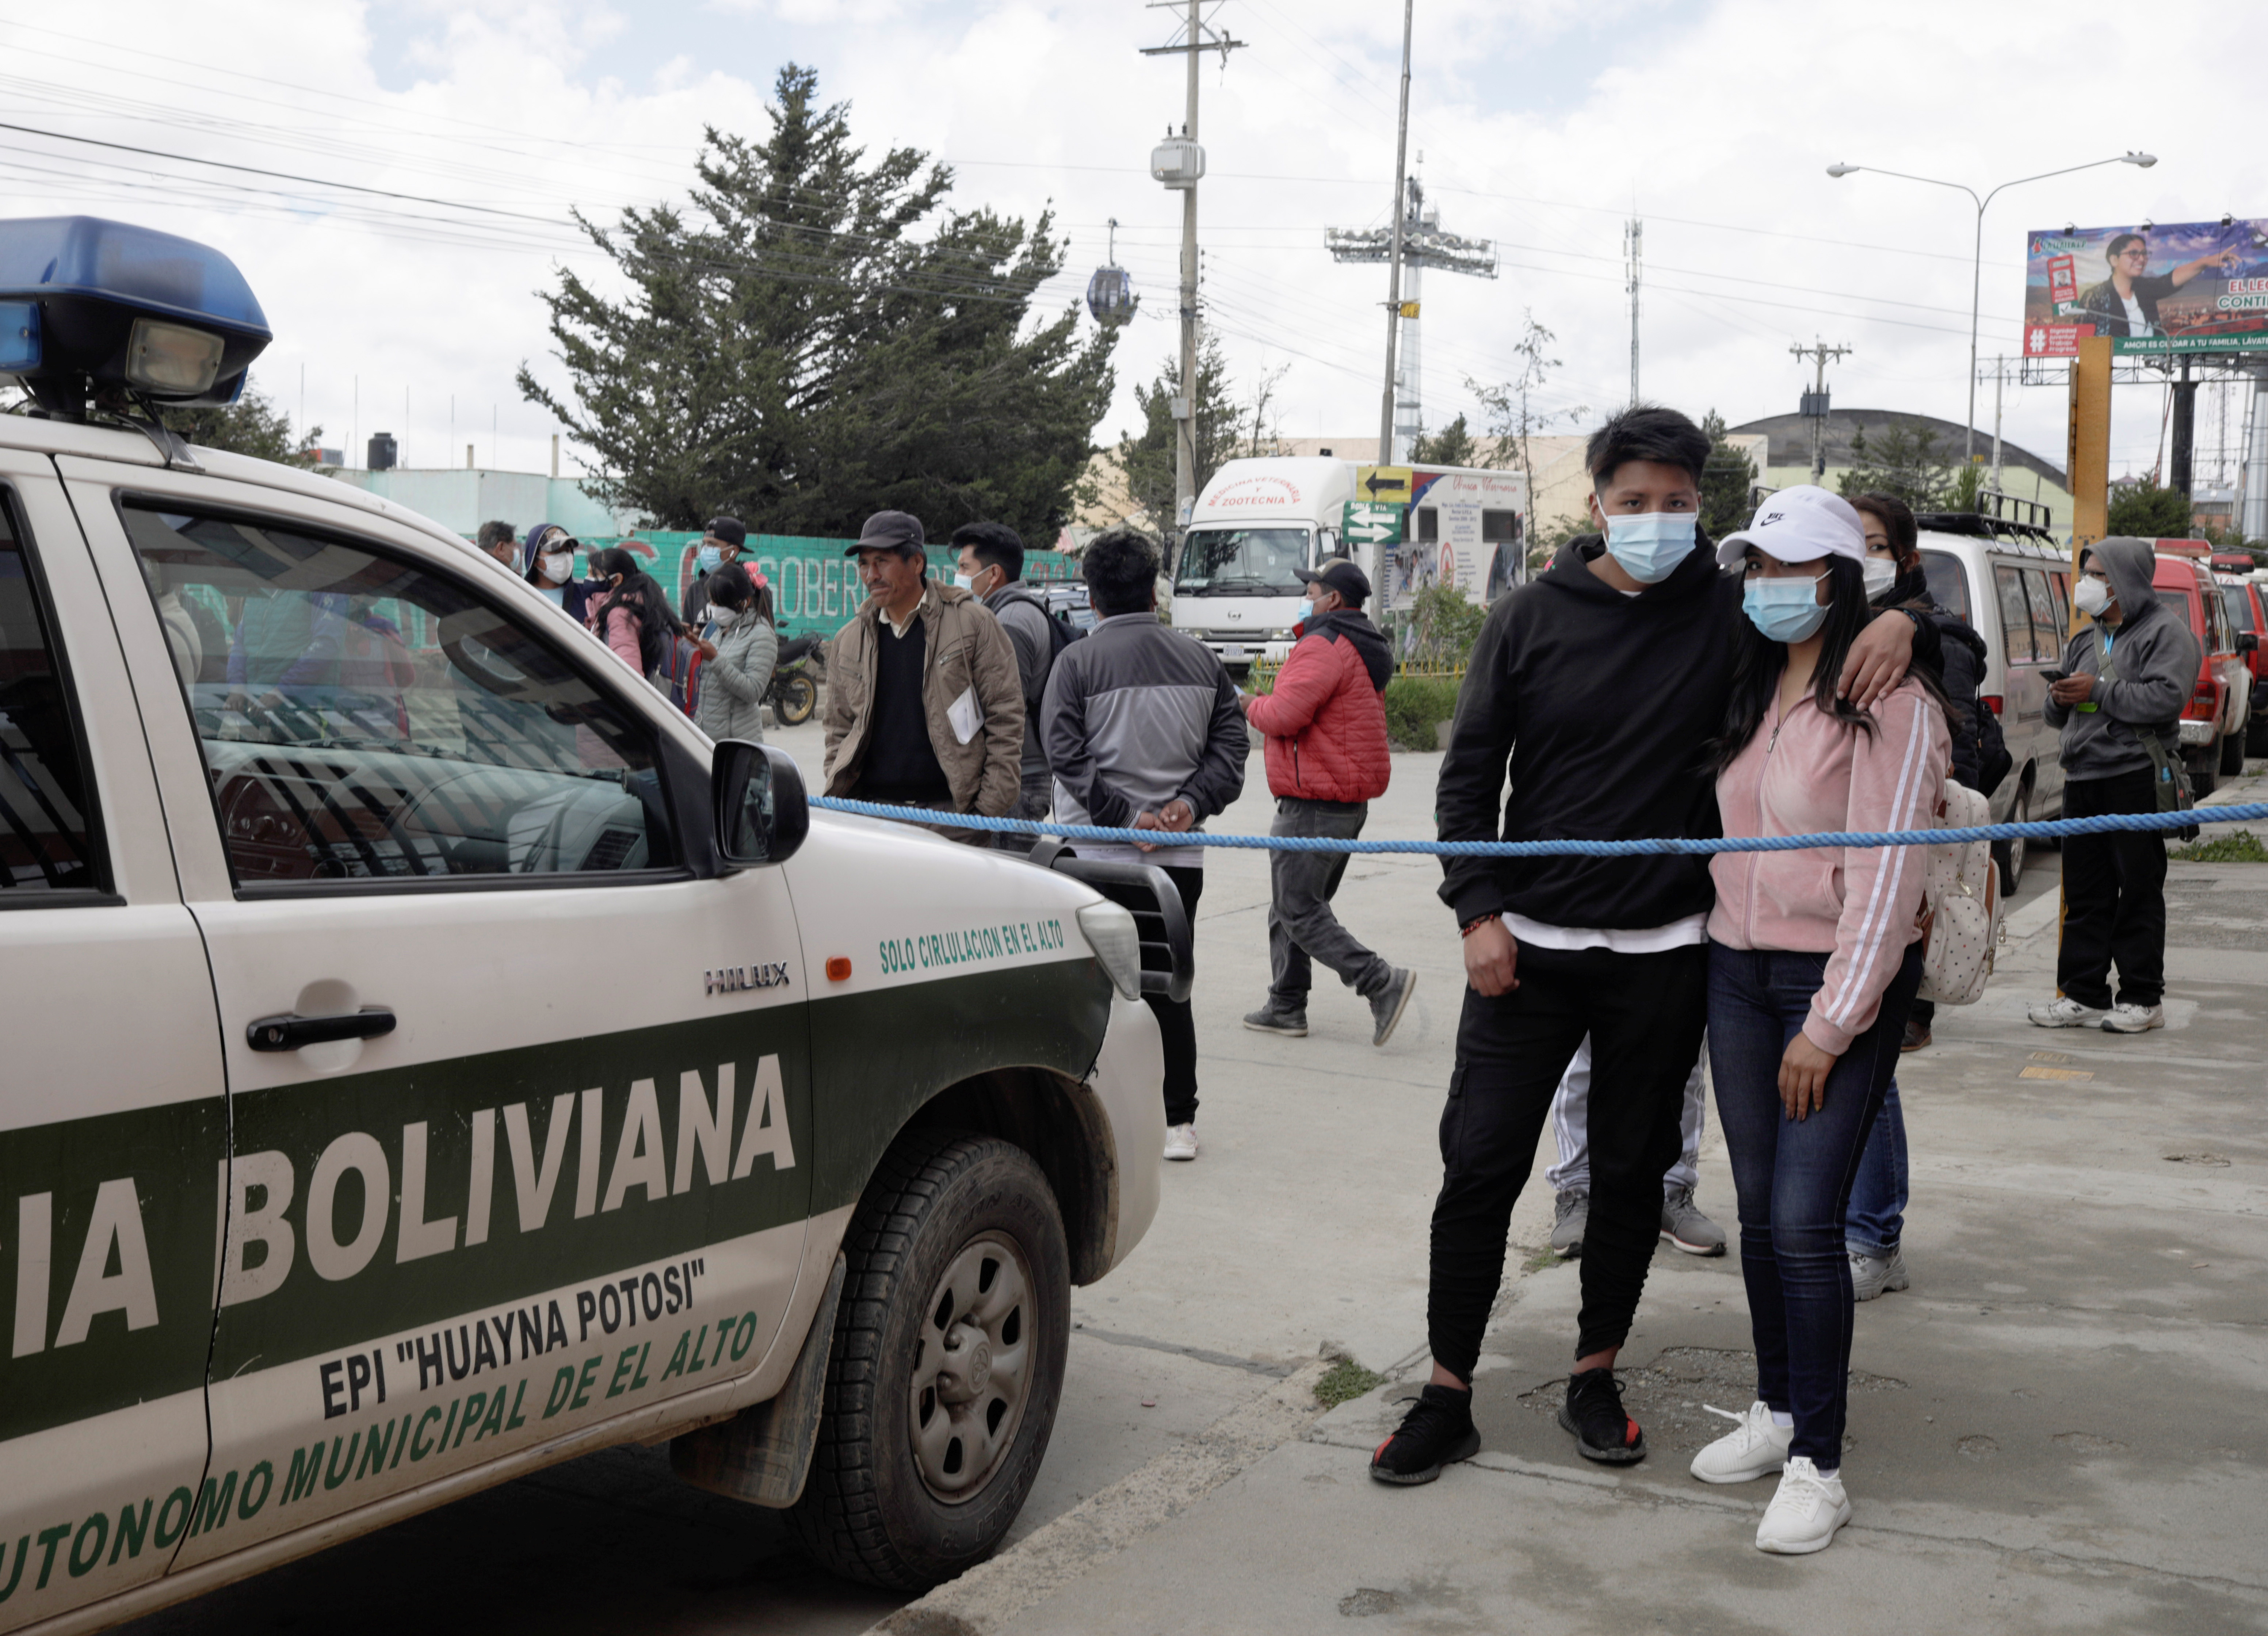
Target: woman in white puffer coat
pixel 731 701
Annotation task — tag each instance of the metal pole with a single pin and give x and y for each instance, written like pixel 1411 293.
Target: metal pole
pixel 1634 245
pixel 1185 446
pixel 1999 378
pixel 2184 433
pixel 1976 299
pixel 1386 451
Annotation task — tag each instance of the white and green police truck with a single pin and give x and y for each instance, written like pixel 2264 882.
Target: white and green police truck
pixel 427 1057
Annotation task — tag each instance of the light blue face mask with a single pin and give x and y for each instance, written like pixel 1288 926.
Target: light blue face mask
pixel 1650 545
pixel 1307 610
pixel 1784 610
pixel 709 559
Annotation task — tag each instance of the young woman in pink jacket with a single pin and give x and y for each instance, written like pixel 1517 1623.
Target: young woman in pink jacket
pixel 1815 955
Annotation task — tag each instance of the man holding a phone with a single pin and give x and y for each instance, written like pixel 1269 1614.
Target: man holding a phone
pixel 2117 698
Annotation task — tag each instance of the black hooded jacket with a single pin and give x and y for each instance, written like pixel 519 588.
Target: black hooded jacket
pixel 1600 706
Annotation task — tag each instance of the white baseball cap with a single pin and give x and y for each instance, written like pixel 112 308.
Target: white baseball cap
pixel 1799 525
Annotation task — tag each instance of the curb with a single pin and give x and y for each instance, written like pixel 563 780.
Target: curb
pixel 985 1600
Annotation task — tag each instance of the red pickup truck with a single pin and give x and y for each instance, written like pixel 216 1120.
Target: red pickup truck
pixel 2244 597
pixel 2220 710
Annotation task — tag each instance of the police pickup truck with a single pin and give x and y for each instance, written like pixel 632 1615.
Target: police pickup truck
pixel 427 1057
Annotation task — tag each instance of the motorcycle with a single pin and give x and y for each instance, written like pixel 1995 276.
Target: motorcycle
pixel 794 691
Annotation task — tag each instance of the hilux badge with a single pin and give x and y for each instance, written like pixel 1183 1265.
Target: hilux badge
pixel 734 979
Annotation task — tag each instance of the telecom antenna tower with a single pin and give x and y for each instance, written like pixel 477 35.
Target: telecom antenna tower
pixel 1634 264
pixel 1423 243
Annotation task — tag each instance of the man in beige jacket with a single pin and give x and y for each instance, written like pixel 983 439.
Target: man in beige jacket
pixel 925 705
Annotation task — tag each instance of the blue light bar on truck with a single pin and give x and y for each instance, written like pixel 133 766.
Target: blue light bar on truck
pixel 113 306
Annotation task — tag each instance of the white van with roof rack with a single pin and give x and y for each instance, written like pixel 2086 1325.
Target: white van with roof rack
pixel 430 1058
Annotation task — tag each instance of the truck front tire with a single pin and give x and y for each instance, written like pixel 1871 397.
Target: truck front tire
pixel 946 1366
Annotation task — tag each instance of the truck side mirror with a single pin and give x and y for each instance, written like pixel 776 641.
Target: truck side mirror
pixel 2248 642
pixel 758 807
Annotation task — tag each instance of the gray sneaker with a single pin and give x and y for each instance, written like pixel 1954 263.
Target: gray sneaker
pixel 1268 1020
pixel 1876 1275
pixel 1569 1215
pixel 1686 1227
pixel 1387 1006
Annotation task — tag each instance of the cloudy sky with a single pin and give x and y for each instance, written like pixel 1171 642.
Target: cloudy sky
pixel 1543 124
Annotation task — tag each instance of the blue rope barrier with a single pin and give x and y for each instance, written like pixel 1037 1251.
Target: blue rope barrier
pixel 2047 830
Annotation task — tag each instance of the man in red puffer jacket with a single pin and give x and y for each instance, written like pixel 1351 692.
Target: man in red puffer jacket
pixel 1325 725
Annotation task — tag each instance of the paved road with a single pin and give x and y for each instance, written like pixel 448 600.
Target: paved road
pixel 1302 1226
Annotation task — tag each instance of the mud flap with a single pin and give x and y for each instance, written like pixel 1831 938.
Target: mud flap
pixel 763 1453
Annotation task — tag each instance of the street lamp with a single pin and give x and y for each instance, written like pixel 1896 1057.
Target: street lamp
pixel 1976 265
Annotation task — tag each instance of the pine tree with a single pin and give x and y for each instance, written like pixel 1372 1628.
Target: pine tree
pixel 817 338
pixel 1148 457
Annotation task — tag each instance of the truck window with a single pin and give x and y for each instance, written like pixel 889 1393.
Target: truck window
pixel 372 719
pixel 2238 601
pixel 2015 616
pixel 1243 562
pixel 1429 525
pixel 2048 626
pixel 1948 583
pixel 47 830
pixel 1500 525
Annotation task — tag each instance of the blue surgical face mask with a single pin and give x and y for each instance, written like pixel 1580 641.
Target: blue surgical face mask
pixel 709 559
pixel 1784 610
pixel 1650 545
pixel 1307 611
pixel 964 582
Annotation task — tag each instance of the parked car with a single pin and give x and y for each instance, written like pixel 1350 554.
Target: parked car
pixel 2214 722
pixel 2013 586
pixel 2244 597
pixel 369 894
pixel 1068 599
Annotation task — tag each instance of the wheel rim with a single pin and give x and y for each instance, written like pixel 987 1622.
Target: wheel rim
pixel 2017 843
pixel 972 1367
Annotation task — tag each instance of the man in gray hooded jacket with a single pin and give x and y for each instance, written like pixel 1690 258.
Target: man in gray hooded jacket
pixel 2129 674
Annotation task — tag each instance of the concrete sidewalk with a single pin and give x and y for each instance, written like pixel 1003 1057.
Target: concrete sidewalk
pixel 2063 1424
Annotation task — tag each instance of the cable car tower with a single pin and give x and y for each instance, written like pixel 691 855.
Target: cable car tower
pixel 1424 244
pixel 1110 293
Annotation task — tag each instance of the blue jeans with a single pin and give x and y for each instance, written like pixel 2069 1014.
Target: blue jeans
pixel 1792 1178
pixel 1877 1217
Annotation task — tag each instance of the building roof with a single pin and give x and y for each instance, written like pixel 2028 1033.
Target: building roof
pixel 1790 438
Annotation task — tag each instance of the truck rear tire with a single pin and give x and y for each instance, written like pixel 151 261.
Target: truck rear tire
pixel 2203 765
pixel 2232 754
pixel 948 1363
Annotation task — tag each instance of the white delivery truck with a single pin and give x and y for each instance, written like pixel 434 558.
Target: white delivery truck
pixel 1236 587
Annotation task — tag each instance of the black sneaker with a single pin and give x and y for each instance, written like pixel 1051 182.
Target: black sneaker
pixel 1594 1412
pixel 1437 1431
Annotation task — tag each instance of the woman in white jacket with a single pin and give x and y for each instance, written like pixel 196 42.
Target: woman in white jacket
pixel 734 679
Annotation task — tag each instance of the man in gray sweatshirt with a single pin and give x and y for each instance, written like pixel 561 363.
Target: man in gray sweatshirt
pixel 2128 674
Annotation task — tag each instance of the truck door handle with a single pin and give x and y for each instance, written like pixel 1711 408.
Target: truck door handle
pixel 290 1031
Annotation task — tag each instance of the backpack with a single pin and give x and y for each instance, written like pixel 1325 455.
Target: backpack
pixel 1961 903
pixel 1061 632
pixel 679 673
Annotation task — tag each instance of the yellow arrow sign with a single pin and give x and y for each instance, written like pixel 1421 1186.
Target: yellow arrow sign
pixel 1383 482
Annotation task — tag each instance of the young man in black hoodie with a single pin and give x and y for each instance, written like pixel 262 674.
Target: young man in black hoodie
pixel 1598 688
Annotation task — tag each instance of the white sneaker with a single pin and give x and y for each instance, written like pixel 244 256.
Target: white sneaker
pixel 1806 1512
pixel 1754 1448
pixel 1181 1141
pixel 2125 1018
pixel 2066 1013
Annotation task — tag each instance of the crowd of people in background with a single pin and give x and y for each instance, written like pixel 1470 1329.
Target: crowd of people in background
pixel 1796 677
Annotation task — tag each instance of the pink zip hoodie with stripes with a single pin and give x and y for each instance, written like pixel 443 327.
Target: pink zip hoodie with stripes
pixel 1809 774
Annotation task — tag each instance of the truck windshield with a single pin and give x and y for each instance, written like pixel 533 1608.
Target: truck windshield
pixel 1243 562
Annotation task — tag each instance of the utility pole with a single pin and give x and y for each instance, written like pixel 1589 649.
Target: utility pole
pixel 1633 264
pixel 1813 404
pixel 2185 431
pixel 1386 449
pixel 1423 243
pixel 2000 379
pixel 1179 163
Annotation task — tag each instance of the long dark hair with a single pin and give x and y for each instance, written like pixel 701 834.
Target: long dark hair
pixel 730 587
pixel 640 595
pixel 1758 663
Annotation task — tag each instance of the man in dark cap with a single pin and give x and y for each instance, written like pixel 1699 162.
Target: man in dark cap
pixel 721 542
pixel 1328 760
pixel 924 704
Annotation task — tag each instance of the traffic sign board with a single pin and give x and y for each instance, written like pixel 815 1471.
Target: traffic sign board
pixel 1384 482
pixel 1371 523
